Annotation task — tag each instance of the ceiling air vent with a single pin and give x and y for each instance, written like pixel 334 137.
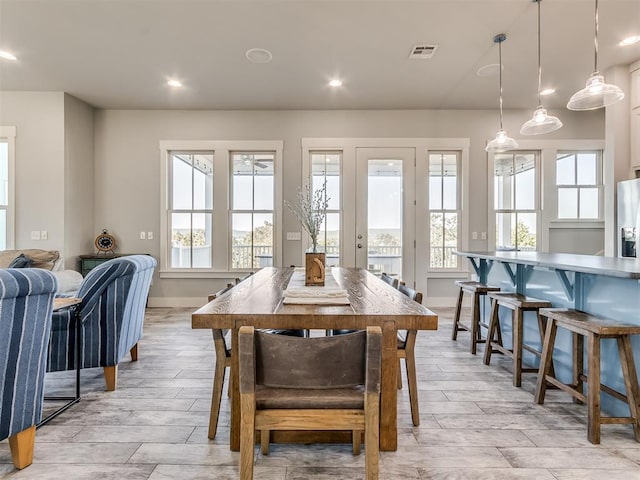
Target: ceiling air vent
pixel 422 51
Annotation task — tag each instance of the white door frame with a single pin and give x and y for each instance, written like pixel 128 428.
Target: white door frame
pixel 422 146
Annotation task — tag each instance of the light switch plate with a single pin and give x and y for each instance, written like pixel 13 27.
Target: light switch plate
pixel 44 235
pixel 35 235
pixel 294 236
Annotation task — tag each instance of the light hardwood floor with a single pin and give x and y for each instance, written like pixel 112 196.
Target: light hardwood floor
pixel 474 423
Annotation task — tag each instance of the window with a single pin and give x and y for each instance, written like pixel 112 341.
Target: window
pixel 252 210
pixel 444 213
pixel 325 170
pixel 7 142
pixel 516 200
pixel 579 184
pixel 221 210
pixel 191 209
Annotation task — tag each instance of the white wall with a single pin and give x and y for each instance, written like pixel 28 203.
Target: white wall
pixel 127 168
pixel 40 167
pixel 78 180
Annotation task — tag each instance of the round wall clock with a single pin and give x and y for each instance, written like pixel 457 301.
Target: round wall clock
pixel 105 242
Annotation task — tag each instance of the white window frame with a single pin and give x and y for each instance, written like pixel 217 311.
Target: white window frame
pixel 221 241
pixel 8 134
pixel 246 211
pixel 537 202
pixel 348 147
pixel 339 211
pixel 458 210
pixel 599 185
pixel 547 188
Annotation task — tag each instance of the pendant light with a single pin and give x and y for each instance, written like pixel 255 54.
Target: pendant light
pixel 596 94
pixel 502 142
pixel 541 122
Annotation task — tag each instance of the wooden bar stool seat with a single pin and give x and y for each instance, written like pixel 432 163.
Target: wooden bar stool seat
pixel 518 304
pixel 476 289
pixel 584 325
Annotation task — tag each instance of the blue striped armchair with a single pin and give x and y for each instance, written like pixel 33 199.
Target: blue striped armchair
pixel 114 295
pixel 26 303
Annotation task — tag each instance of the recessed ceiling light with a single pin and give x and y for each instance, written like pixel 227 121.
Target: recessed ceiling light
pixel 174 83
pixel 488 70
pixel 630 40
pixel 7 55
pixel 258 55
pixel 547 91
pixel 335 82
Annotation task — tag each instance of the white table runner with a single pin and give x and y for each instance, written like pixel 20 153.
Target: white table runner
pixel 330 294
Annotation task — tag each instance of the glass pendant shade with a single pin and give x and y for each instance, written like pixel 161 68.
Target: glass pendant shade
pixel 596 94
pixel 501 143
pixel 541 123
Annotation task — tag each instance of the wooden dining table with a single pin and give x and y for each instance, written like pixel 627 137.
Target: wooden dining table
pixel 258 302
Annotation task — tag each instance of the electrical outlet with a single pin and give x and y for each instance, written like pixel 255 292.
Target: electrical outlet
pixel 483 235
pixel 44 235
pixel 149 235
pixel 35 235
pixel 474 235
pixel 143 236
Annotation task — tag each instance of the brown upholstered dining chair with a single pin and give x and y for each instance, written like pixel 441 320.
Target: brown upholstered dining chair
pixel 335 386
pixel 223 361
pixel 406 350
pixel 389 279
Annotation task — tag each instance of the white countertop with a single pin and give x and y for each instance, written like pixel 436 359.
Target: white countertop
pixel 593 264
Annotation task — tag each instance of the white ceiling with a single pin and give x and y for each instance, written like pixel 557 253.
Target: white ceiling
pixel 119 54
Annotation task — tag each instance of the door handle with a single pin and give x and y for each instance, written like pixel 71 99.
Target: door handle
pixel 359 245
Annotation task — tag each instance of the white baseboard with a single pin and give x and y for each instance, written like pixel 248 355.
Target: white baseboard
pixel 176 302
pixel 197 302
pixel 445 301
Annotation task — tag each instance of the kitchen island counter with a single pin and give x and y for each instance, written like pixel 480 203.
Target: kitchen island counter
pixel 604 286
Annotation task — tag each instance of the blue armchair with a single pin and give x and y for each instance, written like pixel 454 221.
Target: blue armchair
pixel 26 303
pixel 114 295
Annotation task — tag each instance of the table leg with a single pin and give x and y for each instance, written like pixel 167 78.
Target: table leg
pixel 78 357
pixel 235 391
pixel 388 388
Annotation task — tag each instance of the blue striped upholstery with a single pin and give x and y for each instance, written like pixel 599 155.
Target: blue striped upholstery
pixel 114 295
pixel 26 303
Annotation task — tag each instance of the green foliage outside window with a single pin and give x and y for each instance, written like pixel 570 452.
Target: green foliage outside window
pixel 523 237
pixel 185 239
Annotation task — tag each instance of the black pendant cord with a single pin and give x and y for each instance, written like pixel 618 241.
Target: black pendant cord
pixel 539 59
pixel 595 42
pixel 500 57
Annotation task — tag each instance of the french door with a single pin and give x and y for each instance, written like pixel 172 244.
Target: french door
pixel 385 232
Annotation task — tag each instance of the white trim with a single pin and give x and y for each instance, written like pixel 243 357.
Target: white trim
pixel 348 146
pixel 576 224
pixel 462 211
pixel 547 191
pixel 176 302
pixel 197 302
pixel 446 301
pixel 221 203
pixel 9 133
pixel 201 273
